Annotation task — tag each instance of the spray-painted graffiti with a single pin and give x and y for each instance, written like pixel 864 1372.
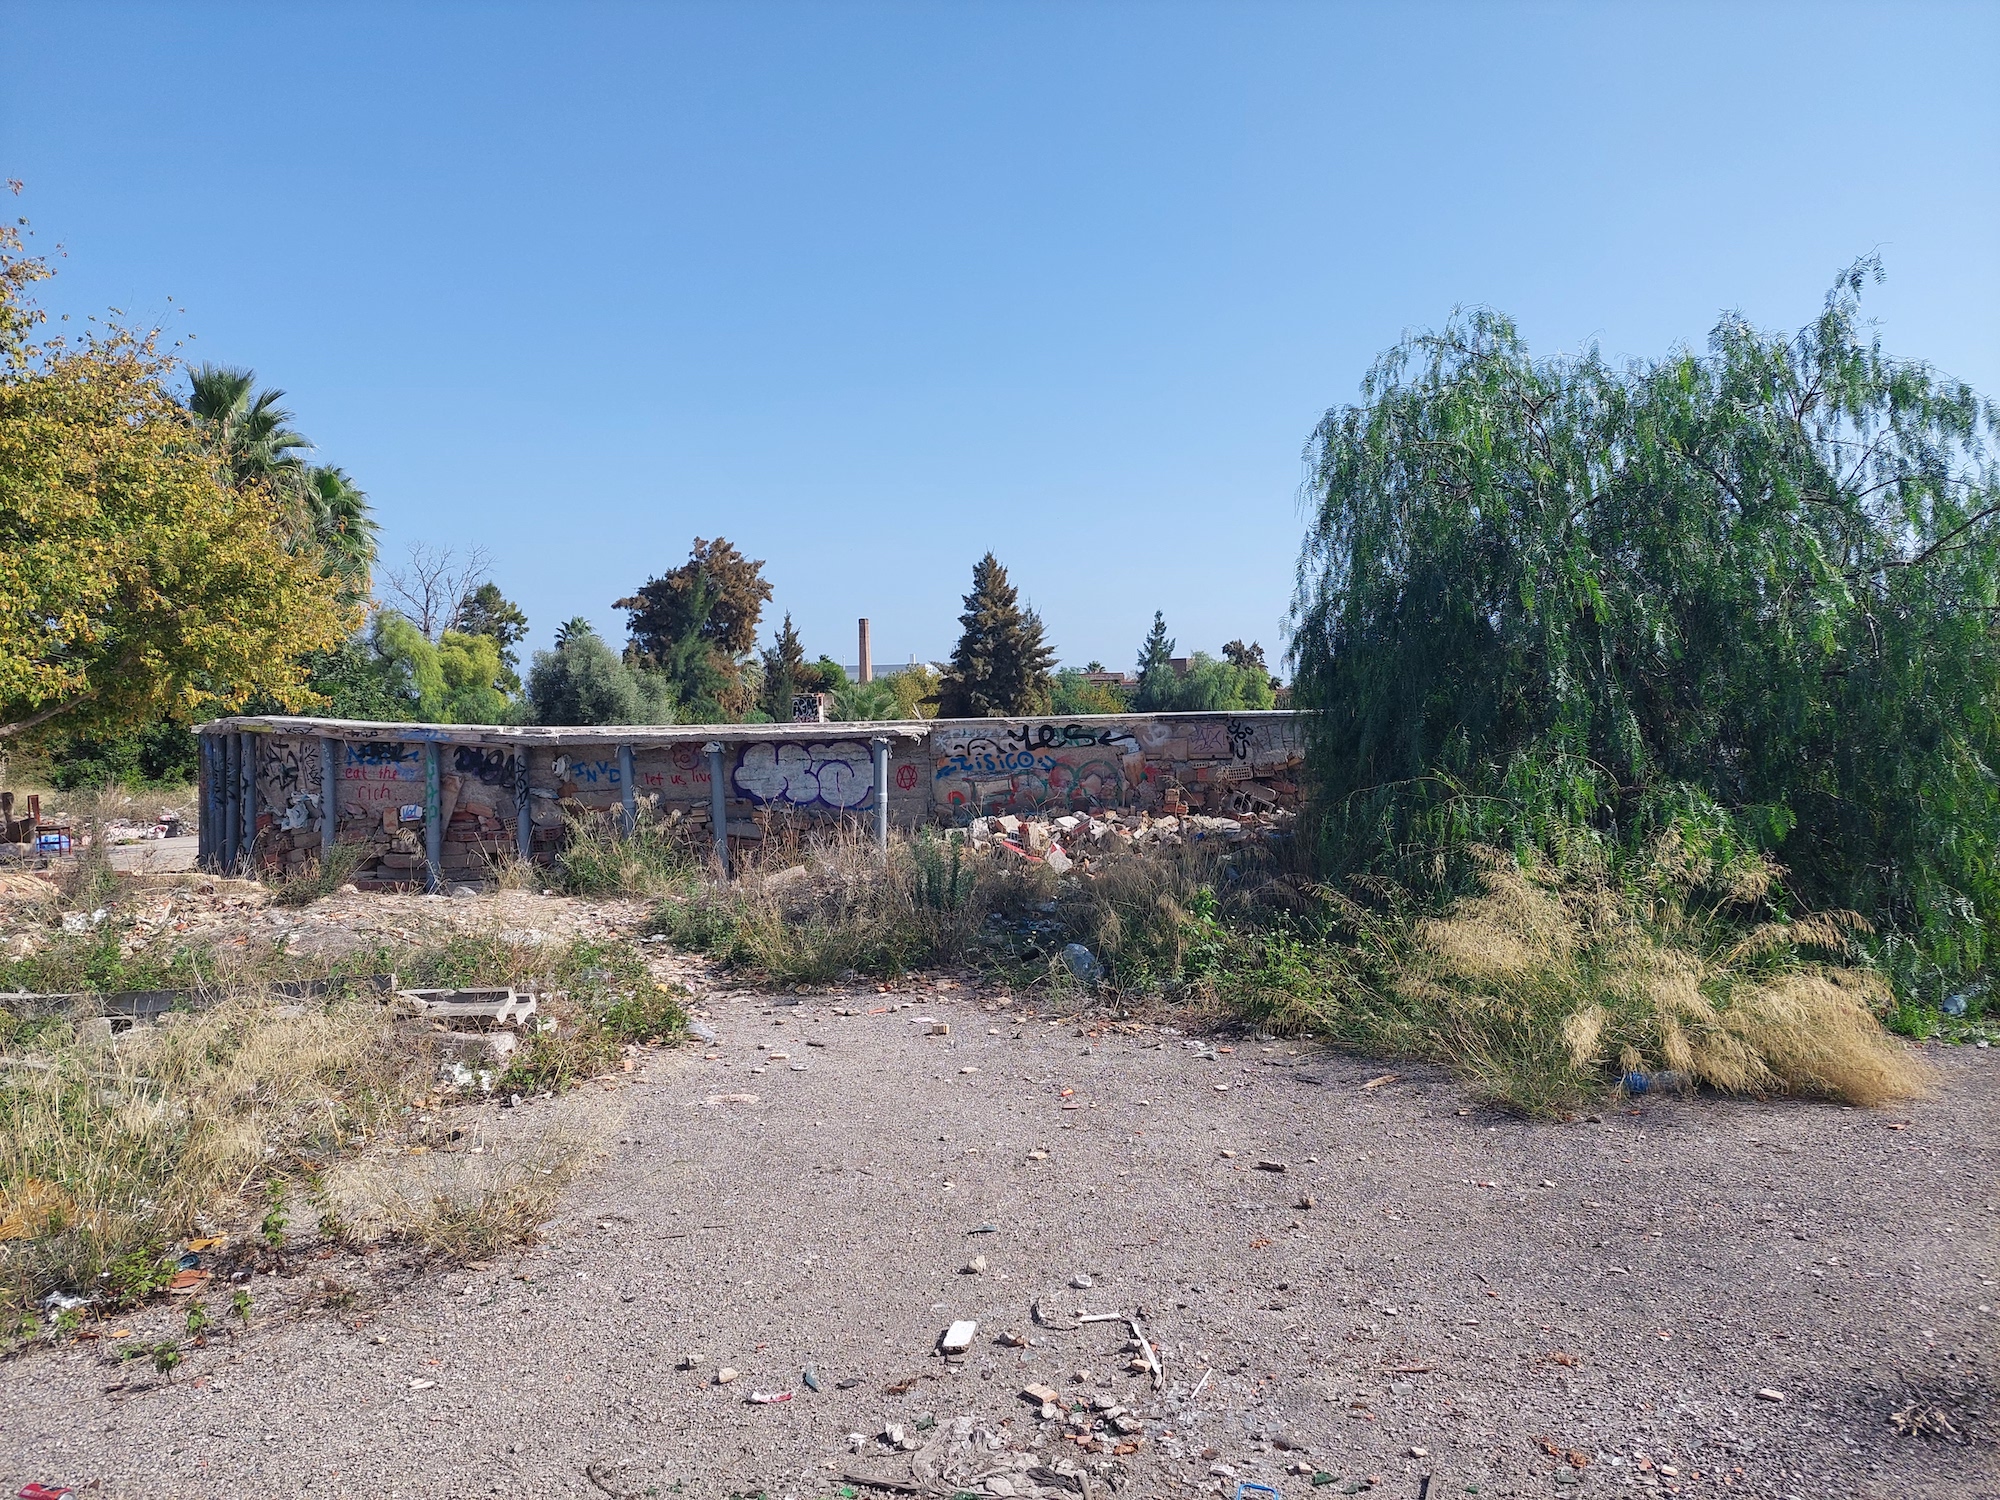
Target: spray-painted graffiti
pixel 378 753
pixel 1035 767
pixel 490 767
pixel 838 775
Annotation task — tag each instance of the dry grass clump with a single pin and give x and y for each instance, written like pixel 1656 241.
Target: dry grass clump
pixel 1540 988
pixel 456 1210
pixel 845 907
pixel 111 1148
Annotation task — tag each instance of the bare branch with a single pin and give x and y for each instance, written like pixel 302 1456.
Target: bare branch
pixel 434 586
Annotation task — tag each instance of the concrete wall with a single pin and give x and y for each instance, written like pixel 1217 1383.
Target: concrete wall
pixel 264 780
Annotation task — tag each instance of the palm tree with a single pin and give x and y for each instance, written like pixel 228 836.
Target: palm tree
pixel 337 514
pixel 247 429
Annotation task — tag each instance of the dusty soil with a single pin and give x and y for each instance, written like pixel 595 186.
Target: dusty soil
pixel 1470 1297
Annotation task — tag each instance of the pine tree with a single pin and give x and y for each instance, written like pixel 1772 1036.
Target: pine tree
pixel 1157 684
pixel 1001 666
pixel 782 661
pixel 1158 648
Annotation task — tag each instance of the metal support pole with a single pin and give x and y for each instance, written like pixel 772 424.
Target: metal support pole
pixel 629 793
pixel 329 798
pixel 249 758
pixel 433 819
pixel 881 748
pixel 524 822
pixel 718 805
pixel 211 803
pixel 232 800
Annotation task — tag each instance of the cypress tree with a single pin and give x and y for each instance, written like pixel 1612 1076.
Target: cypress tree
pixel 782 661
pixel 1001 666
pixel 1158 647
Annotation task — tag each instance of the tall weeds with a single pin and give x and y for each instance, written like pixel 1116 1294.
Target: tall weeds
pixel 109 1150
pixel 1544 988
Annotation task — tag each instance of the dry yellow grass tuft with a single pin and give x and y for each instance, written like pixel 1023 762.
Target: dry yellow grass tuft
pixel 1540 986
pixel 454 1209
pixel 116 1145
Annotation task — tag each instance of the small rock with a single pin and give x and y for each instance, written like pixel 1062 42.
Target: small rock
pixel 1306 1202
pixel 1270 1166
pixel 958 1338
pixel 1226 1155
pixel 1416 1452
pixel 1081 1282
pixel 973 1267
pixel 893 1434
pixel 1038 1155
pixel 692 1361
pixel 1402 1387
pixel 1767 1394
pixel 724 1375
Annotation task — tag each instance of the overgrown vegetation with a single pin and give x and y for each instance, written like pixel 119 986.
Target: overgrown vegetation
pixel 110 1150
pixel 1743 598
pixel 1543 987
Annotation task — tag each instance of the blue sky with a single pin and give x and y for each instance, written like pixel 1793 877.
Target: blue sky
pixel 871 289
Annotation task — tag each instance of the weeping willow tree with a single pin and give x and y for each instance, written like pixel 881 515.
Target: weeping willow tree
pixel 1751 592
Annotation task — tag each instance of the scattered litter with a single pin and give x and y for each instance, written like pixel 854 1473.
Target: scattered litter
pixel 1081 1282
pixel 1767 1394
pixel 958 1338
pixel 1082 963
pixel 811 1379
pixel 1270 1166
pixel 1376 1083
pixel 422 1385
pixel 769 1398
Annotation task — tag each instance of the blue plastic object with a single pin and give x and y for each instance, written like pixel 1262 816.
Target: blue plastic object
pixel 1245 1489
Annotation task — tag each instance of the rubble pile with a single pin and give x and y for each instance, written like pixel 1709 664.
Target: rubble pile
pixel 1071 839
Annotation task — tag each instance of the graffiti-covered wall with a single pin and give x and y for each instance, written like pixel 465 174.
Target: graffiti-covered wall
pixel 269 785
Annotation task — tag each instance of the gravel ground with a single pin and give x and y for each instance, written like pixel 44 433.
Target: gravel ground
pixel 1514 1309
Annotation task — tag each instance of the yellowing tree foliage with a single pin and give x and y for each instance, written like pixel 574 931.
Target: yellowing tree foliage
pixel 136 582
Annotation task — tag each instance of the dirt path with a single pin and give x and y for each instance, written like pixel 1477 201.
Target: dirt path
pixel 1462 1288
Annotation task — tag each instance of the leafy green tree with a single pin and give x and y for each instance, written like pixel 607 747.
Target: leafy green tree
pixel 1073 695
pixel 158 755
pixel 451 682
pixel 1001 665
pixel 1208 686
pixel 1747 593
pixel 698 622
pixel 583 681
pixel 488 612
pixel 138 585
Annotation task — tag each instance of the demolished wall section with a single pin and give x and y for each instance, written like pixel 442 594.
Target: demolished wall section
pixel 265 781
